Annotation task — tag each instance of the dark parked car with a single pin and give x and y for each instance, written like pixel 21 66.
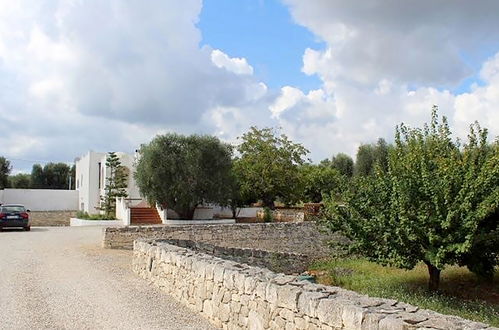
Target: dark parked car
pixel 14 215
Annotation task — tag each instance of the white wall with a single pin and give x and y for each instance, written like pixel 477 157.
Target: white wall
pixel 41 199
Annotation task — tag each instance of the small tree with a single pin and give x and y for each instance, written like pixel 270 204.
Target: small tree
pixel 343 163
pixel 183 172
pixel 5 169
pixel 268 167
pixel 116 184
pixel 432 205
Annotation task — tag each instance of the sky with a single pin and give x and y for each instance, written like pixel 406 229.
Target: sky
pixel 79 75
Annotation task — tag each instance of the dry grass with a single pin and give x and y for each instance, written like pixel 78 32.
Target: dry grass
pixel 461 293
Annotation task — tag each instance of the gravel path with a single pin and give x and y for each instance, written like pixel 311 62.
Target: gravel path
pixel 60 278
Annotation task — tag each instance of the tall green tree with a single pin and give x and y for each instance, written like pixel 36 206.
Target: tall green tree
pixel 116 184
pixel 432 205
pixel 20 181
pixel 50 176
pixel 268 167
pixel 5 169
pixel 370 154
pixel 183 172
pixel 343 163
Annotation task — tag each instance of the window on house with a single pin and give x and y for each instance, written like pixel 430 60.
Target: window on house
pixel 100 176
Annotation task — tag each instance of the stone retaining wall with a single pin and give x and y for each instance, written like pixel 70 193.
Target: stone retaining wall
pixel 287 263
pixel 284 215
pixel 302 238
pixel 51 218
pixel 238 296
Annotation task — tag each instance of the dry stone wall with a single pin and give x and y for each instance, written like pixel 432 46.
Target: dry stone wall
pixel 302 238
pixel 280 262
pixel 238 296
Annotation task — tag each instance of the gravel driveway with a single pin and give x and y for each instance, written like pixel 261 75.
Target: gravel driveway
pixel 60 278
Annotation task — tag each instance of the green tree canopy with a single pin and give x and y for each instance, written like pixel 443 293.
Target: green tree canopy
pixel 183 172
pixel 268 166
pixel 319 181
pixel 434 204
pixel 5 169
pixel 370 154
pixel 50 176
pixel 343 163
pixel 20 181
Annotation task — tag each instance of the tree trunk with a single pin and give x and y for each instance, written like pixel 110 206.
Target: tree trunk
pixel 434 273
pixel 186 214
pixel 268 202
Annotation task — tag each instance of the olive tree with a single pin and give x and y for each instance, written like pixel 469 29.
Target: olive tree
pixel 182 172
pixel 268 167
pixel 434 204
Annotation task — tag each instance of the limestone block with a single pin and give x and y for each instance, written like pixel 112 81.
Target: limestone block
pixel 255 321
pixel 371 321
pixel 287 297
pixel 235 307
pixel 260 289
pixel 271 293
pixel 227 297
pixel 249 284
pixel 239 281
pixel 300 323
pixel 287 314
pixel 392 323
pixel 330 312
pixel 209 271
pixel 228 280
pixel 352 317
pixel 308 302
pixel 224 312
pixel 218 273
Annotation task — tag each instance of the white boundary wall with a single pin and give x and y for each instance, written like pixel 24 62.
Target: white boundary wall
pixel 41 199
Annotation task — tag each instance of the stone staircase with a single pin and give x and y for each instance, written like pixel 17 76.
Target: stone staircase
pixel 144 215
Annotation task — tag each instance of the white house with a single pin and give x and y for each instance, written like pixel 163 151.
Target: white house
pixel 91 174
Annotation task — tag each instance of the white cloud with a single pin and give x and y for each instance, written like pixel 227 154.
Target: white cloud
pixel 389 62
pixel 235 64
pixel 109 75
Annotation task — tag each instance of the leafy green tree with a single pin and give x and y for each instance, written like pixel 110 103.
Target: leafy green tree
pixel 183 172
pixel 320 180
pixel 268 167
pixel 5 169
pixel 50 176
pixel 37 177
pixel 343 163
pixel 370 154
pixel 20 181
pixel 432 205
pixel 116 184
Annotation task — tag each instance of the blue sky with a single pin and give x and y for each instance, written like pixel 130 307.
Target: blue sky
pixel 265 34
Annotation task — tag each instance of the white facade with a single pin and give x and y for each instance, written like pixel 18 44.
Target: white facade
pixel 91 174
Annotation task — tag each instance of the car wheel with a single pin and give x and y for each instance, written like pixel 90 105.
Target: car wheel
pixel 27 228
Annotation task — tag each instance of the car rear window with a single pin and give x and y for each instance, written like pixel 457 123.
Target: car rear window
pixel 8 209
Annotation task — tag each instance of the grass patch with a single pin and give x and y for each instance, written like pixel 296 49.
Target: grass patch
pixel 86 216
pixel 460 293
